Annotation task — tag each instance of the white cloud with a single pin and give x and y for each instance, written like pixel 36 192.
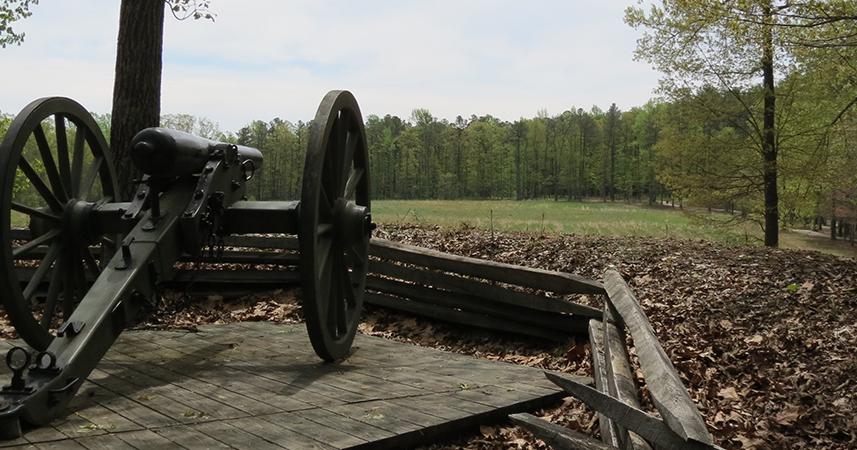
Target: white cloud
pixel 272 58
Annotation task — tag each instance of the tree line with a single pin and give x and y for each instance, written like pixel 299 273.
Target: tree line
pixel 755 114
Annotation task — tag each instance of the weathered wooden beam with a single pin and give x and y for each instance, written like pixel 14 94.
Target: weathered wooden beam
pixel 560 323
pixel 599 373
pixel 649 427
pixel 481 289
pixel 668 392
pixel 460 317
pixel 620 378
pixel 556 282
pixel 261 241
pixel 556 436
pixel 264 279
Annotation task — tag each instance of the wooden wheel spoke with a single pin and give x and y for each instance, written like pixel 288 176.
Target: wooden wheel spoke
pixel 323 248
pixel 40 185
pixel 338 134
pixel 53 295
pixel 77 160
pixel 353 180
pixel 337 320
pixel 355 252
pixel 89 179
pixel 348 155
pixel 50 165
pixel 324 229
pixel 30 211
pixel 325 209
pixel 348 287
pixel 41 271
pixel 62 152
pixel 29 246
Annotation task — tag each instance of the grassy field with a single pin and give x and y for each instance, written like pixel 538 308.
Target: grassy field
pixel 588 218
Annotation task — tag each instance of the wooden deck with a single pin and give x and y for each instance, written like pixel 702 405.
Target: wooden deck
pixel 259 386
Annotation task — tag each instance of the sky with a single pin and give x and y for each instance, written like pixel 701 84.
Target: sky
pixel 263 59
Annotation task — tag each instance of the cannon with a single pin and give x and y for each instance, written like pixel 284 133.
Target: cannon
pixel 103 260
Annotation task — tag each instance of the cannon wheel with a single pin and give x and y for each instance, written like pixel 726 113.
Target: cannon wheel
pixel 53 185
pixel 335 225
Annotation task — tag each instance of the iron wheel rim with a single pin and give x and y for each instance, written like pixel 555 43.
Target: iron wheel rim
pixel 68 178
pixel 336 172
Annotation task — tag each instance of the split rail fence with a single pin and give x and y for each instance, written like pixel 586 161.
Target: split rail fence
pixel 506 298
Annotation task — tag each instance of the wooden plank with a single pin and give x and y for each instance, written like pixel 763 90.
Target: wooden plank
pixel 437 405
pixel 668 392
pixel 481 289
pixel 104 442
pixel 561 323
pixel 207 389
pixel 254 241
pixel 247 257
pixel 360 430
pixel 233 436
pixel 650 428
pixel 279 435
pixel 268 277
pixel 620 378
pixel 333 436
pixel 558 437
pixel 67 444
pixel 208 408
pixel 460 317
pixel 135 412
pixel 599 372
pixel 556 282
pixel 187 437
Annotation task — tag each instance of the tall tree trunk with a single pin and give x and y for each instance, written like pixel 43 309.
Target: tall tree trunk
pixel 582 176
pixel 769 143
pixel 137 87
pixel 519 195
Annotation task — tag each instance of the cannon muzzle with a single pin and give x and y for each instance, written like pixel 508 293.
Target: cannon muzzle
pixel 165 153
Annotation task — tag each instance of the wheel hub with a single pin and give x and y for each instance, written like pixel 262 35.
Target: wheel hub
pixel 77 219
pixel 352 221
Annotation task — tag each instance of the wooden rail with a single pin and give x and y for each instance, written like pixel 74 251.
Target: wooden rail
pixel 623 424
pixel 506 298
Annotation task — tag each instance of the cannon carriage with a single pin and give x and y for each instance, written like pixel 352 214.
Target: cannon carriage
pixel 88 263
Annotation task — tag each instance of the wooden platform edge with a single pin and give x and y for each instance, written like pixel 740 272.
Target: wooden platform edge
pixel 452 428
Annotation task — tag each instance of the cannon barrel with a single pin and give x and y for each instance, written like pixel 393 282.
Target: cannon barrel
pixel 165 153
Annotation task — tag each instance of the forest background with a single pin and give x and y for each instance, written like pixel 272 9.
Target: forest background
pixel 704 141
